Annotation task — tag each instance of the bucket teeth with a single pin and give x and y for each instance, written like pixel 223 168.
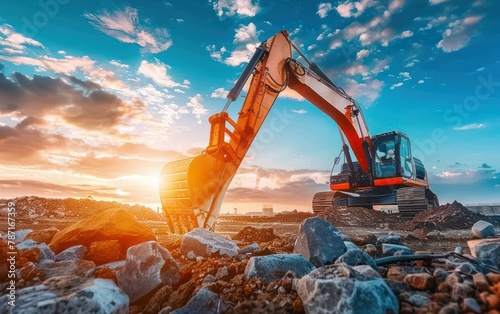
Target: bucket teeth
pixel 176 197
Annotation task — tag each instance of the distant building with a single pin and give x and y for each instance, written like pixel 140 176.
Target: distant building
pixel 267 210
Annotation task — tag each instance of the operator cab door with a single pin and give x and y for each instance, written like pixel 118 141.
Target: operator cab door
pixel 385 157
pixel 407 164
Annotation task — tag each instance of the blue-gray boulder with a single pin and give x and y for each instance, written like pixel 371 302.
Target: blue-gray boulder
pixel 319 241
pixel 275 266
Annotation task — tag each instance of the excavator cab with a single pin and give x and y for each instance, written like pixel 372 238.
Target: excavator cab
pixel 393 158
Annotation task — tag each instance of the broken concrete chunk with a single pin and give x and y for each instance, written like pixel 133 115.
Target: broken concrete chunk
pixel 80 268
pixel 319 241
pixel 201 242
pixel 69 294
pixel 148 265
pixel 72 253
pixel 489 253
pixel 483 229
pixel 393 249
pixel 19 235
pixel 392 239
pixel 337 289
pixel 275 266
pixel 206 302
pixel 254 247
pixel 367 270
pixel 46 253
pixel 355 258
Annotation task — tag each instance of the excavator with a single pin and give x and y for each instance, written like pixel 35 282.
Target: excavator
pixel 380 171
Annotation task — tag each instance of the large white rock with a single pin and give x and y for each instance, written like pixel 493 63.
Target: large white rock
pixel 201 242
pixel 148 265
pixel 275 266
pixel 69 294
pixel 319 241
pixel 483 229
pixel 340 289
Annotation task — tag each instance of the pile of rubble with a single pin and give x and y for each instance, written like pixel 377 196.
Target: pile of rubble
pixel 445 217
pixel 109 263
pixel 34 207
pixel 342 216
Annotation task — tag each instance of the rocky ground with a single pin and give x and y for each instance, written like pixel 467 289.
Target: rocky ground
pixel 106 257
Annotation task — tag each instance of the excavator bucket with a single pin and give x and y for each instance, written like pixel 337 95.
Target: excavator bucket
pixel 192 190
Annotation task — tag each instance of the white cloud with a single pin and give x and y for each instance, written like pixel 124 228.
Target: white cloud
pixel 370 37
pixel 365 93
pixel 434 22
pixel 244 8
pixel 344 9
pixel 15 41
pixel 350 9
pixel 219 93
pixel 396 5
pixel 459 33
pixel 406 34
pixel 357 69
pixel 300 111
pixel 158 73
pixel 362 54
pixel 405 75
pixel 197 109
pixel 396 85
pixel 124 26
pixel 118 64
pixel 323 9
pixel 472 126
pixel 434 2
pixel 420 81
pixel 246 38
pixel 381 65
pixel 215 53
pixel 69 65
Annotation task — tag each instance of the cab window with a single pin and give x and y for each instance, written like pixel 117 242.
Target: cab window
pixel 385 159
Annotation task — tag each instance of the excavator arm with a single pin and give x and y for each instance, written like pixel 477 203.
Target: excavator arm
pixel 192 190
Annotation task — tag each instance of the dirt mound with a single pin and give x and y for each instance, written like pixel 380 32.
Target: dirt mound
pixel 259 235
pixel 39 207
pixel 449 216
pixel 357 217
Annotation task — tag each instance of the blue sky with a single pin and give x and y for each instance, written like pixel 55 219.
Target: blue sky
pixel 96 96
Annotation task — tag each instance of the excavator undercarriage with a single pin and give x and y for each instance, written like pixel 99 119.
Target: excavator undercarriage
pixel 407 201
